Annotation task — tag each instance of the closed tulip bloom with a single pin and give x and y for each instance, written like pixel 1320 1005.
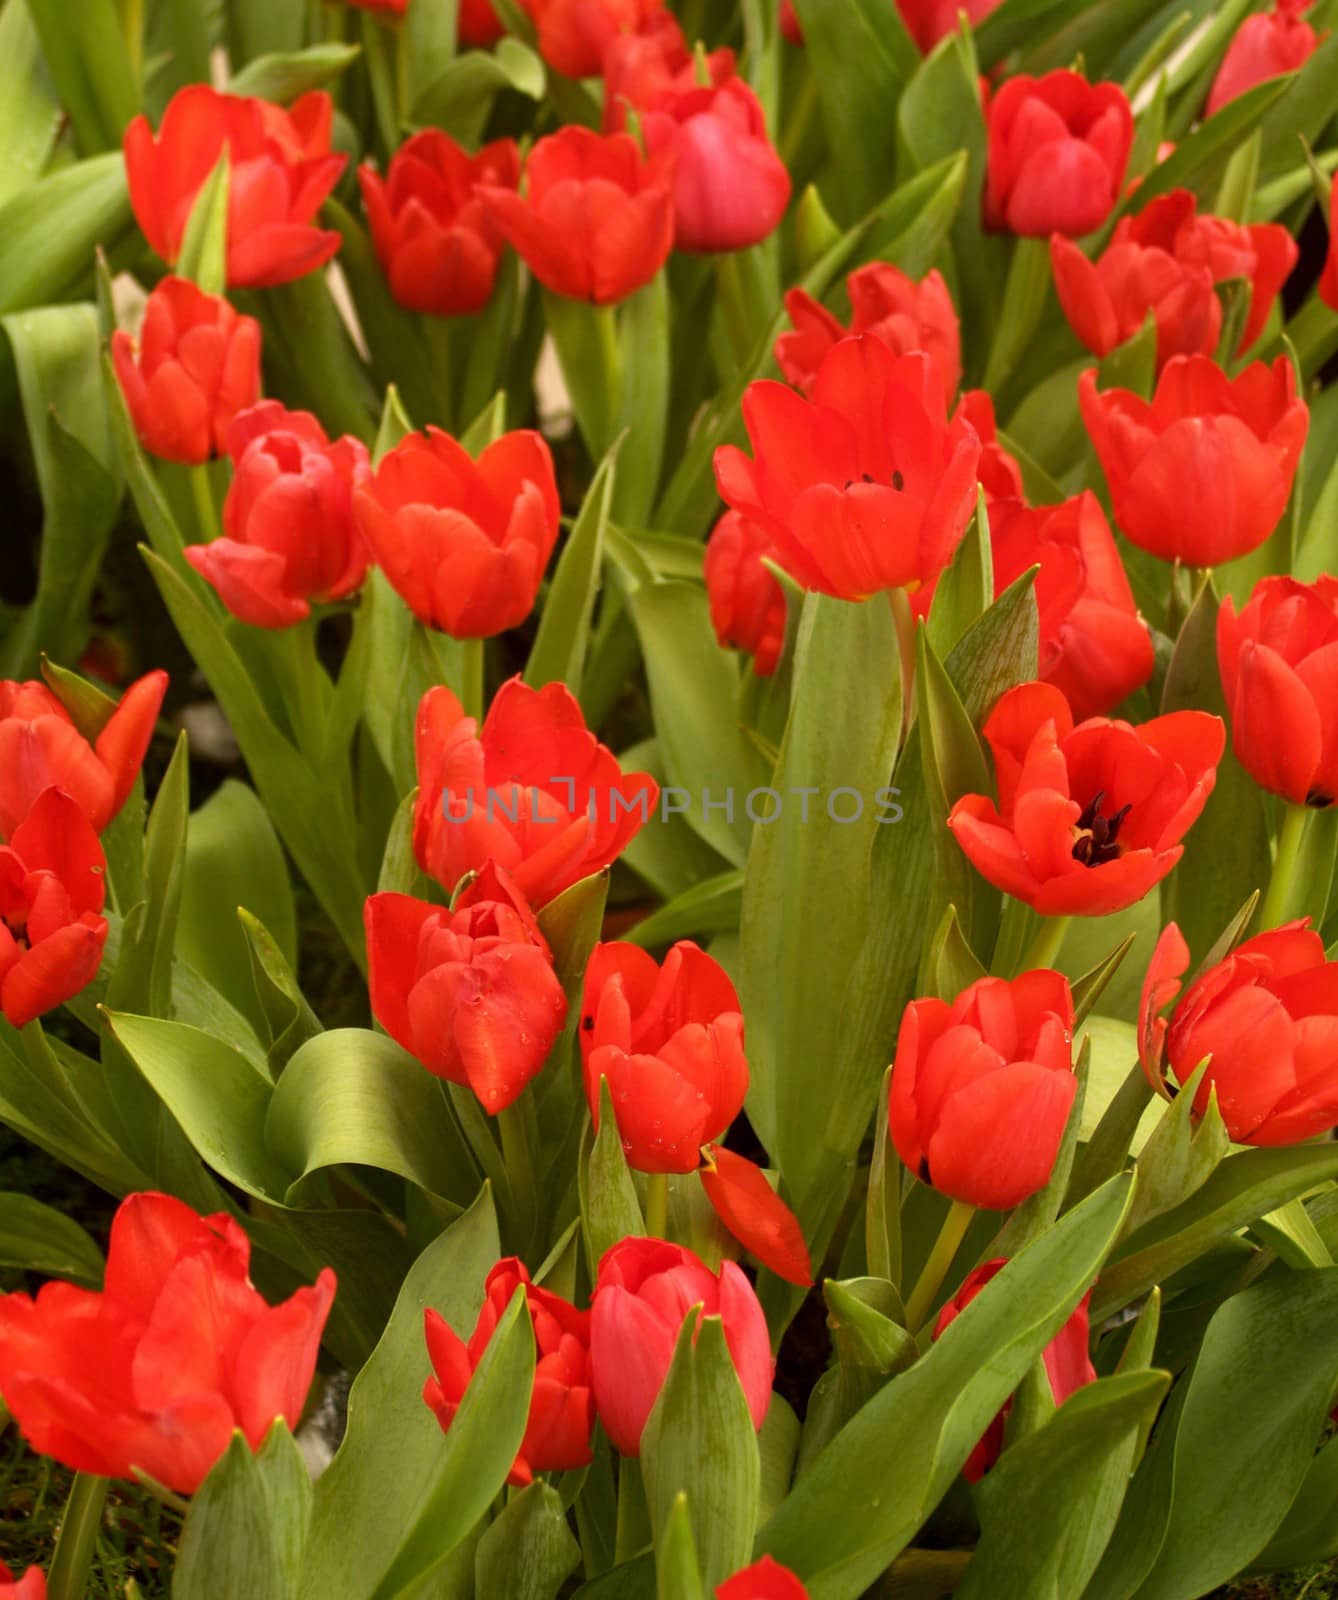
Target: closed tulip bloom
pixel 471 992
pixel 436 244
pixel 575 35
pixel 464 543
pixel 40 748
pixel 928 21
pixel 1058 150
pixel 1203 472
pixel 478 25
pixel 562 1410
pixel 31 1586
pixel 1328 279
pixel 669 1039
pixel 1267 44
pixel 281 171
pixel 742 1197
pixel 195 365
pixel 644 1289
pixel 864 487
pixel 1067 1363
pixel 596 221
pixel 1279 666
pixel 649 68
pixel 905 314
pixel 764 1580
pixel 532 790
pixel 155 1373
pixel 52 886
pixel 1266 1021
pixel 1094 647
pixel 998 471
pixel 1091 817
pixel 747 603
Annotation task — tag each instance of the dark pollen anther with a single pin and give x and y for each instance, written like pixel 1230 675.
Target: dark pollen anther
pixel 898 482
pixel 1096 843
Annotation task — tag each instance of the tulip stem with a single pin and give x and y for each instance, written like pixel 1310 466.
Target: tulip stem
pixel 935 1269
pixel 734 306
pixel 206 512
pixel 306 704
pixel 1291 837
pixel 518 1156
pixel 471 678
pixel 1045 944
pixel 657 1205
pixel 68 1578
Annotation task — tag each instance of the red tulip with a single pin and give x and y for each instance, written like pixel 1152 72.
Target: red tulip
pixel 791 28
pixel 289 536
pixel 998 472
pixel 1094 647
pixel 31 1586
pixel 1067 1363
pixel 471 992
pixel 437 247
pixel 928 21
pixel 747 604
pixel 575 35
pixel 1058 149
pixel 40 748
pixel 764 1580
pixel 52 887
pixel 195 366
pixel 156 1372
pixel 906 315
pixel 1265 45
pixel 670 1042
pixel 463 542
pixel 981 1088
pixel 644 1290
pixel 1328 279
pixel 1266 1021
pixel 281 171
pixel 597 218
pixel 478 26
pixel 865 487
pixel 653 66
pixel 1279 665
pixel 755 1214
pixel 562 1411
pixel 1089 818
pixel 1203 473
pixel 533 790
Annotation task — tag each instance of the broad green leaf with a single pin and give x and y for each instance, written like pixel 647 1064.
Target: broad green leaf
pixel 528 1552
pixel 712 906
pixel 460 97
pixel 229 1543
pixel 204 247
pixel 38 1238
pixel 91 68
pixel 259 27
pixel 641 417
pixel 871 1344
pixel 677 1572
pixel 610 1209
pixel 1309 1532
pixel 30 113
pixel 777 1444
pixel 1180 1155
pixel 284 76
pixel 559 648
pixel 966 590
pixel 48 231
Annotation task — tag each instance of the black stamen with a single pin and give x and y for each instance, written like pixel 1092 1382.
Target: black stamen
pixel 898 482
pixel 1097 833
pixel 1318 799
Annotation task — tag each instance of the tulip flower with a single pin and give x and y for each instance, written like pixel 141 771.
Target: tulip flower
pixel 1328 279
pixel 1067 1363
pixel 532 790
pixel 864 487
pixel 982 1088
pixel 928 21
pixel 998 472
pixel 1279 666
pixel 1058 150
pixel 155 1373
pixel 1089 818
pixel 669 1039
pixel 40 748
pixel 52 886
pixel 281 170
pixel 195 365
pixel 1094 647
pixel 644 1289
pixel 596 220
pixel 478 26
pixel 1166 260
pixel 575 35
pixel 470 992
pixel 764 1580
pixel 1267 44
pixel 1266 1021
pixel 31 1586
pixel 562 1411
pixel 437 246
pixel 648 68
pixel 463 542
pixel 742 1197
pixel 1203 472
pixel 907 315
pixel 288 532
pixel 731 188
pixel 747 604
pixel 791 28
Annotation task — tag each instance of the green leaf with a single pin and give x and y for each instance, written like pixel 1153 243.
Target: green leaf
pixel 778 1445
pixel 259 27
pixel 30 112
pixel 230 1544
pixel 610 1209
pixel 459 98
pixel 866 1319
pixel 90 66
pixel 559 649
pixel 1180 1156
pixel 712 906
pixel 966 590
pixel 528 1552
pixel 642 412
pixel 284 75
pixel 38 1238
pixel 677 1573
pixel 949 964
pixel 204 246
pixel 1309 1532
pixel 882 1211
pixel 48 231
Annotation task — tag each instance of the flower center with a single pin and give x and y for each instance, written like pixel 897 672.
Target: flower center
pixel 1098 833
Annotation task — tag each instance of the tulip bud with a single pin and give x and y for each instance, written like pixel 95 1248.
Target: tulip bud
pixel 747 604
pixel 1267 44
pixel 575 35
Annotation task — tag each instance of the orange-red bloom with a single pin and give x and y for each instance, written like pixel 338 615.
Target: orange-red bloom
pixel 1089 818
pixel 755 1214
pixel 747 603
pixel 288 533
pixel 999 474
pixel 596 220
pixel 40 748
pixel 532 790
pixel 864 487
pixel 478 25
pixel 981 1088
pixel 1058 150
pixel 646 68
pixel 1266 1020
pixel 562 1411
pixel 195 365
pixel 575 35
pixel 1202 473
pixel 282 169
pixel 1279 665
pixel 31 1586
pixel 1067 1363
pixel 463 542
pixel 155 1373
pixel 471 992
pixel 1267 44
pixel 436 244
pixel 764 1580
pixel 905 314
